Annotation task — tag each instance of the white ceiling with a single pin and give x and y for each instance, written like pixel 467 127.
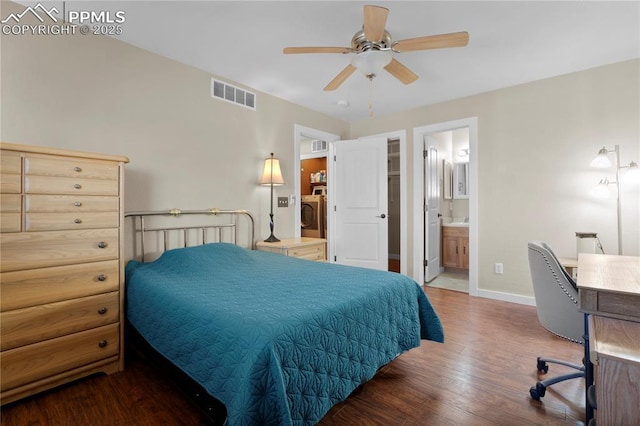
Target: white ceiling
pixel 510 42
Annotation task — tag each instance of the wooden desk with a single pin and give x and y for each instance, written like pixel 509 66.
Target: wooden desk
pixel 609 290
pixel 610 285
pixel 571 265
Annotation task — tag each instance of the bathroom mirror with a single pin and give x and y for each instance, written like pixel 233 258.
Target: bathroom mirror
pixel 461 181
pixel 447 176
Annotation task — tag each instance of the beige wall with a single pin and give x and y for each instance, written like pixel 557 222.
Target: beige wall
pixel 535 142
pixel 190 151
pixel 187 149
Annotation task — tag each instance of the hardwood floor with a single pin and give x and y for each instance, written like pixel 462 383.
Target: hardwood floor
pixel 480 376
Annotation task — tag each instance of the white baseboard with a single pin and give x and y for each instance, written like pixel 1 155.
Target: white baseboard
pixel 507 297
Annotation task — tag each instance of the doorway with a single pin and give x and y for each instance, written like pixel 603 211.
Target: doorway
pixel 394 199
pixel 420 244
pixel 303 134
pixel 311 149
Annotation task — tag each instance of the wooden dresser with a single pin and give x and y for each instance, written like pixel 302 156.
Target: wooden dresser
pixel 61 267
pixel 609 291
pixel 302 248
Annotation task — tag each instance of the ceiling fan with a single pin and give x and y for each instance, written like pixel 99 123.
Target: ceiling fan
pixel 373 44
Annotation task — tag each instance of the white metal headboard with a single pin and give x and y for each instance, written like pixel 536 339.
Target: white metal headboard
pixel 189 234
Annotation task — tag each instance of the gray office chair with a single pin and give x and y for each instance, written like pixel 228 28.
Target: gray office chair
pixel 556 297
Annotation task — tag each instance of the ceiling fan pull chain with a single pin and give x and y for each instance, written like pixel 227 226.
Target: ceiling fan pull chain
pixel 371 96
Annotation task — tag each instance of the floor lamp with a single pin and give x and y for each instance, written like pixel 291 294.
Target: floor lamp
pixel 602 189
pixel 272 176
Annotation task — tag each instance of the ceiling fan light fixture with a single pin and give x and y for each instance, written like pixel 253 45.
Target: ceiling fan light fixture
pixel 371 62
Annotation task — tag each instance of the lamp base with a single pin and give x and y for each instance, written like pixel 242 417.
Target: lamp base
pixel 272 239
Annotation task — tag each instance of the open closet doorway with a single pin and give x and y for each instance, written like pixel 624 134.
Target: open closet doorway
pixel 453 147
pixel 394 201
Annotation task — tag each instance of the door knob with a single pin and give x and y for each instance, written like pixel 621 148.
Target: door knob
pixel 439 214
pixel 382 216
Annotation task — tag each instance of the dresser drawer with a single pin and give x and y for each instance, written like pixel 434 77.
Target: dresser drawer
pixel 30 250
pixel 30 325
pixel 311 252
pixel 10 162
pixel 58 221
pixel 10 203
pixel 20 289
pixel 70 203
pixel 70 167
pixel 10 184
pixel 10 222
pixel 69 186
pixel 33 362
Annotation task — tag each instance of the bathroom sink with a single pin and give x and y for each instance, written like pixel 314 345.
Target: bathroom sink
pixel 457 224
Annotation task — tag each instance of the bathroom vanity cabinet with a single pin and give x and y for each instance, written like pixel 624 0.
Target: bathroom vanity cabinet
pixel 455 247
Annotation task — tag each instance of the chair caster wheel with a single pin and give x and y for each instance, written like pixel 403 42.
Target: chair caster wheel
pixel 542 366
pixel 538 391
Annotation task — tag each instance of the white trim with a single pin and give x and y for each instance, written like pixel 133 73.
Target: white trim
pixel 314 155
pixel 418 190
pixel 507 297
pixel 299 133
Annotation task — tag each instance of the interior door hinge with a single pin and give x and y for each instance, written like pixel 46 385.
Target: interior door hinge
pixel 425 153
pixel 425 206
pixel 334 158
pixel 426 263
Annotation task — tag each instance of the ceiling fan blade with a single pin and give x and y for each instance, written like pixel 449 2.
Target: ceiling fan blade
pixel 401 72
pixel 317 50
pixel 375 18
pixel 340 78
pixel 439 41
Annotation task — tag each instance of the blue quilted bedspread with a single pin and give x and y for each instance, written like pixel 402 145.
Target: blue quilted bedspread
pixel 278 340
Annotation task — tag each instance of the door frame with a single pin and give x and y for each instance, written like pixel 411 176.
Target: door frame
pixel 301 133
pixel 418 194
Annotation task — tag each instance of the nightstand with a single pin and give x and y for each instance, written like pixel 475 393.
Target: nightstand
pixel 302 248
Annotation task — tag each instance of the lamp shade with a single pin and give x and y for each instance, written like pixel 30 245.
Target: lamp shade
pixel 632 175
pixel 601 190
pixel 602 159
pixel 371 61
pixel 272 175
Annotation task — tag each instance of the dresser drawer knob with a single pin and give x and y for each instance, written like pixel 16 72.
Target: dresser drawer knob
pixel 77 204
pixel 102 311
pixel 102 277
pixel 102 343
pixel 102 244
pixel 77 186
pixel 77 221
pixel 77 169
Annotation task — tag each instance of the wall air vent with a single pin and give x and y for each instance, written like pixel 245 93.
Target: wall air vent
pixel 233 94
pixel 318 145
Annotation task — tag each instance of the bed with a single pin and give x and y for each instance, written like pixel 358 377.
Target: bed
pixel 277 340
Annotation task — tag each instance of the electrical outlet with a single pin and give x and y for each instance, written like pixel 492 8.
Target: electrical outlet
pixel 499 269
pixel 283 201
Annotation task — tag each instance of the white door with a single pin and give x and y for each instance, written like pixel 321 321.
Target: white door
pixel 359 208
pixel 432 214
